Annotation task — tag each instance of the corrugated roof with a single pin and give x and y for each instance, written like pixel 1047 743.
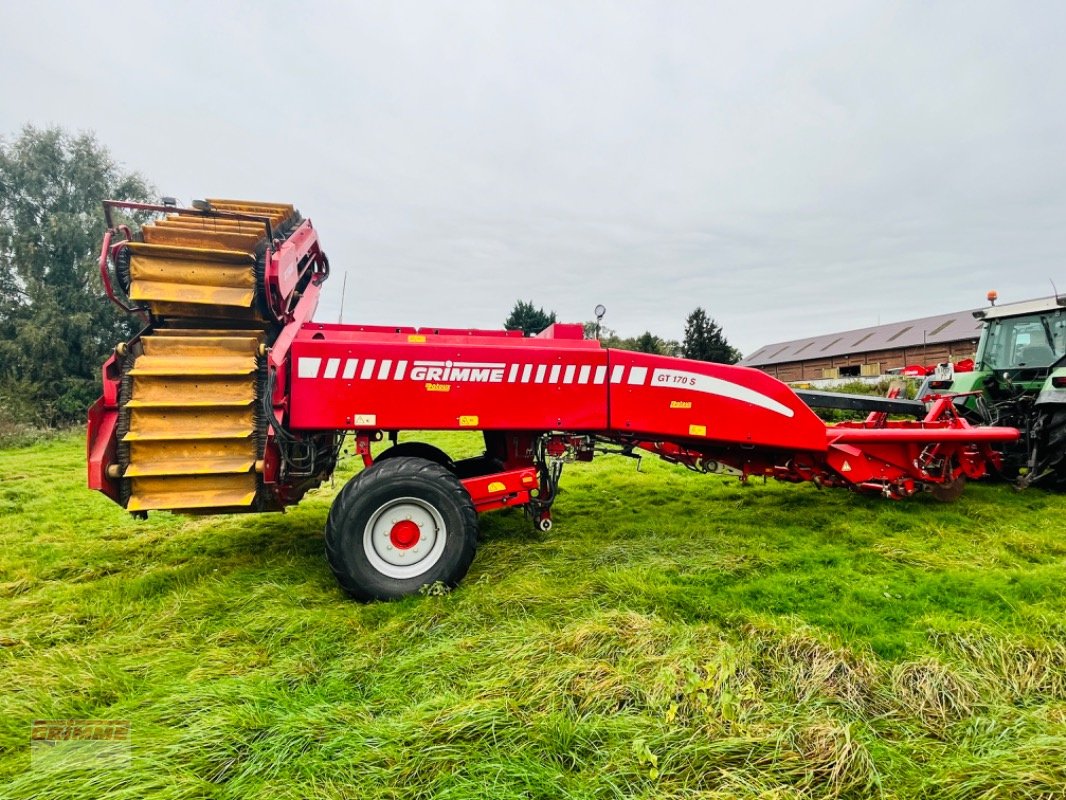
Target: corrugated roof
pixel 955 327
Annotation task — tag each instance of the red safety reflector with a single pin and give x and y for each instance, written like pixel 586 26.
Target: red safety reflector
pixel 1059 382
pixel 939 384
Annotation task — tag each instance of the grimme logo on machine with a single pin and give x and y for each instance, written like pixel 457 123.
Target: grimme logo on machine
pixel 457 371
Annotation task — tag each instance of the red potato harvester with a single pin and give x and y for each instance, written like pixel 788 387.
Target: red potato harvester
pixel 231 399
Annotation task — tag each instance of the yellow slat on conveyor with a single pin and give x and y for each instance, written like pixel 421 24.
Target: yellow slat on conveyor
pixel 278 212
pixel 160 391
pixel 198 457
pixel 185 402
pixel 181 295
pixel 189 236
pixel 189 344
pixel 215 224
pixel 193 466
pixel 190 256
pixel 194 365
pixel 199 331
pixel 158 268
pixel 189 423
pixel 192 492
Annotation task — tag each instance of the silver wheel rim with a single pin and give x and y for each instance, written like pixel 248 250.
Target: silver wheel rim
pixel 388 537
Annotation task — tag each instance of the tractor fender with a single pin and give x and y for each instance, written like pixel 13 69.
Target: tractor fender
pixel 1050 393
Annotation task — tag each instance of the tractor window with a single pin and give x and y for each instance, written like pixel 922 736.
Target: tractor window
pixel 1031 342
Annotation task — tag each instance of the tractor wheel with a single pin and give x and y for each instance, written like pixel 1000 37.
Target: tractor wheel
pixel 398 526
pixel 418 450
pixel 1051 432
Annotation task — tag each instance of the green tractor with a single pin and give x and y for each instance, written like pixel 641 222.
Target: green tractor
pixel 1018 380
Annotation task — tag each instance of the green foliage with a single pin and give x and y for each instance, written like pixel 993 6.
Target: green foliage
pixel 647 343
pixel 675 635
pixel 527 318
pixel 704 340
pixel 16 410
pixel 56 326
pixel 908 387
pixel 908 390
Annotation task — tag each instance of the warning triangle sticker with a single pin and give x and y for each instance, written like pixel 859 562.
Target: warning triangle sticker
pixel 846 467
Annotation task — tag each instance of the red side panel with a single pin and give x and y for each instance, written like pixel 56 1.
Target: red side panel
pixel 285 261
pixel 373 380
pixel 101 442
pixel 658 396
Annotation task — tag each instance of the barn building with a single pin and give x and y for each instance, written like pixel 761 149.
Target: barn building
pixel 871 351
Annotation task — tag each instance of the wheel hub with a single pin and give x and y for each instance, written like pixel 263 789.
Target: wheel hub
pixel 404 534
pixel 405 537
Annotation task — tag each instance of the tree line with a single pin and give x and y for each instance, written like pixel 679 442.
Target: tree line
pixel 704 339
pixel 56 324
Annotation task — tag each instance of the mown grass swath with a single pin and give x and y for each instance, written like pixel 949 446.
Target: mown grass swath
pixel 674 635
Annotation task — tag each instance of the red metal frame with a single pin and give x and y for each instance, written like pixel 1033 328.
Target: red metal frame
pixel 102 438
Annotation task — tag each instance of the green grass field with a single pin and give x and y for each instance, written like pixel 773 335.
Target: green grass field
pixel 673 636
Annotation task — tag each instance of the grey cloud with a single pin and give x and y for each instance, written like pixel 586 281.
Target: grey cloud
pixel 794 168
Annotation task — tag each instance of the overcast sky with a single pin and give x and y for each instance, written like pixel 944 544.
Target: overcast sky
pixel 795 168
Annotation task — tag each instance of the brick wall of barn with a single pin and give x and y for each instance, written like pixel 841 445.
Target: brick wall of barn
pixel 812 369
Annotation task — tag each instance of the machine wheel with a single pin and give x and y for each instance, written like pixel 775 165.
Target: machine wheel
pixel 948 492
pixel 398 526
pixel 418 450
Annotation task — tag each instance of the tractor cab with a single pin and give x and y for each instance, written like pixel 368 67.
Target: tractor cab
pixel 1027 343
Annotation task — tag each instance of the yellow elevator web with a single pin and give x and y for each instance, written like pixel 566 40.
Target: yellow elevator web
pixel 191 386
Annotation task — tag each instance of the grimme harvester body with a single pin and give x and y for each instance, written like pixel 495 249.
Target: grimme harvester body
pixel 231 399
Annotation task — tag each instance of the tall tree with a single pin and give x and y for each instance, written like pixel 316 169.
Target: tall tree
pixel 528 319
pixel 647 342
pixel 704 340
pixel 56 324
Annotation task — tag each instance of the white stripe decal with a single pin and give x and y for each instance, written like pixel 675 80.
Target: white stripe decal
pixel 332 366
pixel 583 376
pixel 349 368
pixel 675 379
pixel 616 374
pixel 637 376
pixel 540 373
pixel 384 369
pixel 368 369
pixel 554 378
pixel 568 376
pixel 526 370
pixel 601 373
pixel 401 369
pixel 511 375
pixel 308 367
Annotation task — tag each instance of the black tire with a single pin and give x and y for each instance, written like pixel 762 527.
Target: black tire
pixel 1050 431
pixel 360 533
pixel 418 450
